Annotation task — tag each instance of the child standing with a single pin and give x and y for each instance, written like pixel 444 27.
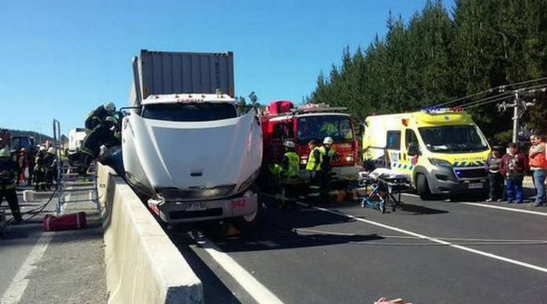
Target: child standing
pixel 494 174
pixel 513 166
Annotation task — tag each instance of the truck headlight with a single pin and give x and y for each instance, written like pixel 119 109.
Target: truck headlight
pixel 439 162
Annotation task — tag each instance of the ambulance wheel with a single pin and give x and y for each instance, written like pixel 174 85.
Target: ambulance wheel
pixel 423 187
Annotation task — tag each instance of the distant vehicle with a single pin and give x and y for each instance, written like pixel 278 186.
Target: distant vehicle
pixel 442 150
pixel 314 121
pixel 75 139
pixel 22 141
pixel 185 148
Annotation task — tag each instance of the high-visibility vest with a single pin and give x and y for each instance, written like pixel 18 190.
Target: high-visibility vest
pixel 314 164
pixel 324 153
pixel 293 169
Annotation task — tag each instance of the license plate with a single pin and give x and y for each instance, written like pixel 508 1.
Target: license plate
pixel 195 207
pixel 475 186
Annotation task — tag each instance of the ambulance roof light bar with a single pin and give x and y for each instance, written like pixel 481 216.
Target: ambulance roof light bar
pixel 435 110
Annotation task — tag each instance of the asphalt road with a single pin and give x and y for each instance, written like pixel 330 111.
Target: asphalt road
pixel 429 252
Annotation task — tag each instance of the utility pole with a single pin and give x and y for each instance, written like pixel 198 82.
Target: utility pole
pixel 516 116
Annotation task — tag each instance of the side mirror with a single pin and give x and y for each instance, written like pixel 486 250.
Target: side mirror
pixel 413 149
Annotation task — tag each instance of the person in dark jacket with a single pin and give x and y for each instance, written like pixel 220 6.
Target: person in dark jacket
pixel 8 170
pixel 513 167
pixel 40 181
pixel 97 116
pixel 493 165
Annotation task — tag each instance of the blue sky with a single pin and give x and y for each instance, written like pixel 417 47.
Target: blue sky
pixel 62 58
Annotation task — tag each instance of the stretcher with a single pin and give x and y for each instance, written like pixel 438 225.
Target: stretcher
pixel 382 187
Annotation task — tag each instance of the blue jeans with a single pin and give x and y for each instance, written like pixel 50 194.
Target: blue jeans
pixel 539 183
pixel 511 185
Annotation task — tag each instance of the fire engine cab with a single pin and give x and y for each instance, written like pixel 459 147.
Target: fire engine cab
pixel 282 121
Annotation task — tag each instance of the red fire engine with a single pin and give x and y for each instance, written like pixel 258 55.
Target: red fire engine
pixel 314 121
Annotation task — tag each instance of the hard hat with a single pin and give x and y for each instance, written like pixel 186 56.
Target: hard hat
pixel 51 150
pixel 328 140
pixel 109 106
pixel 289 144
pixel 5 153
pixel 42 148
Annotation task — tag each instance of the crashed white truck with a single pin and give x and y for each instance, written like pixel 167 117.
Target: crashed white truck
pixel 186 150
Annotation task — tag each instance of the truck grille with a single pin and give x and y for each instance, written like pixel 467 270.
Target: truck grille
pixel 470 173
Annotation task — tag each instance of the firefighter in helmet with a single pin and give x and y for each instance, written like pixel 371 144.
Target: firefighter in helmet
pixel 8 170
pixel 313 167
pixel 327 156
pixel 97 116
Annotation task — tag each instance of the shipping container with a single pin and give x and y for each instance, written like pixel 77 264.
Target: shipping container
pixel 158 73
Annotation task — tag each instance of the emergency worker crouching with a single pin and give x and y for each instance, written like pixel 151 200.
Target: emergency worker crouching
pixel 8 170
pixel 106 133
pixel 97 116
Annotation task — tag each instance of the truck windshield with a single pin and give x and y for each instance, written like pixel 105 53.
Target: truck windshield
pixel 190 111
pixel 320 126
pixel 453 139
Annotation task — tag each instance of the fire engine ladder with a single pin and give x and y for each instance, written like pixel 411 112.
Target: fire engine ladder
pixel 70 182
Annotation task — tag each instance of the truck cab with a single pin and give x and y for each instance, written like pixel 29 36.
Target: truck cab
pixel 186 150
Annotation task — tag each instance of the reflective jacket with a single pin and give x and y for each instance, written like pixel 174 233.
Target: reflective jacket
pixel 314 160
pixel 291 165
pixel 326 157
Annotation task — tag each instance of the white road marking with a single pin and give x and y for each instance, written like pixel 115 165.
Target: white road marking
pixel 483 253
pixel 19 283
pixel 491 206
pixel 258 291
pixel 506 208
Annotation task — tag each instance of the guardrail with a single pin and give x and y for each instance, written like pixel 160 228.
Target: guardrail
pixel 142 264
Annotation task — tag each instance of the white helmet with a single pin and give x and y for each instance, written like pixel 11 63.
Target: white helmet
pixel 289 144
pixel 109 107
pixel 328 141
pixel 42 148
pixel 51 150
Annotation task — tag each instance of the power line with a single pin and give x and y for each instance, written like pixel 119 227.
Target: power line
pixel 501 87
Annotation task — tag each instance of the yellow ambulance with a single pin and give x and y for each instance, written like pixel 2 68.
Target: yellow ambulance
pixel 442 150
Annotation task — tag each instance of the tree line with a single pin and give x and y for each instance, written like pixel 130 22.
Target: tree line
pixel 441 55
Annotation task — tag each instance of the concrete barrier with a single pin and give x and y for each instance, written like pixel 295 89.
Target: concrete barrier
pixel 142 264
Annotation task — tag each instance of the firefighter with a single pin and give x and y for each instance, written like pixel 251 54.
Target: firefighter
pixel 106 133
pixel 50 165
pixel 40 170
pixel 327 156
pixel 97 116
pixel 313 168
pixel 290 173
pixel 8 169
